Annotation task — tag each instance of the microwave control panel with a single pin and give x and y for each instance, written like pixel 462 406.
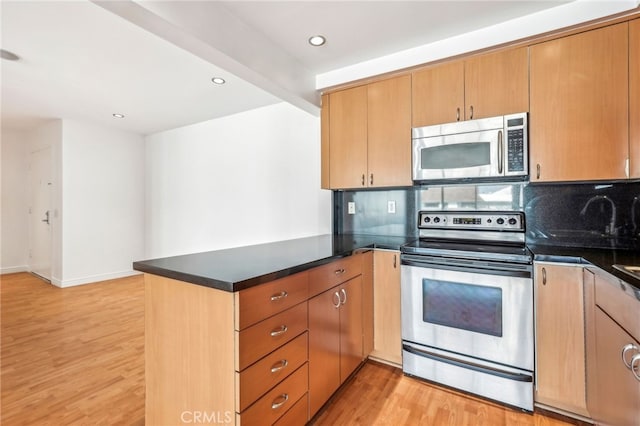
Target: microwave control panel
pixel 516 130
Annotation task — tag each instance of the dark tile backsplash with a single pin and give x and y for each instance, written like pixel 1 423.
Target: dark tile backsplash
pixel 584 215
pixel 578 215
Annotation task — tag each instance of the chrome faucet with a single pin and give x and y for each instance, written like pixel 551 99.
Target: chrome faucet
pixel 611 229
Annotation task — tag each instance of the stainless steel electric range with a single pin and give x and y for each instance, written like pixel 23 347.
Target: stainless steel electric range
pixel 467 304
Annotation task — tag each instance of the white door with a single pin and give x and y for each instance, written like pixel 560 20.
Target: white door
pixel 40 213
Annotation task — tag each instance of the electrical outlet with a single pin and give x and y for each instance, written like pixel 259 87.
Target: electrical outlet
pixel 351 207
pixel 391 206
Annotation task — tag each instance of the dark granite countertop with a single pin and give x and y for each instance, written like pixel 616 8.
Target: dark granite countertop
pixel 239 268
pixel 602 258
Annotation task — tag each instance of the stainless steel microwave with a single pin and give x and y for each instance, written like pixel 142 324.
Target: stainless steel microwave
pixel 487 149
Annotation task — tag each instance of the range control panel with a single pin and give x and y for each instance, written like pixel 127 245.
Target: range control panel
pixel 495 221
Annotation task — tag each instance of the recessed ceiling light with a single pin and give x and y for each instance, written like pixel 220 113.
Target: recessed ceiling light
pixel 116 115
pixel 9 56
pixel 218 80
pixel 317 40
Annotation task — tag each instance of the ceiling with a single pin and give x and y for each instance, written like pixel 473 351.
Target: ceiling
pixel 153 60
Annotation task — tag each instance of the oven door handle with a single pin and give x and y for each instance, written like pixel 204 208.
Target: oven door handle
pixel 469 366
pixel 467 265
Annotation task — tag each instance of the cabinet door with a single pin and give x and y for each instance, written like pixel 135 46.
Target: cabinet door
pixel 579 106
pixel 634 98
pixel 350 326
pixel 325 162
pixel 367 303
pixel 560 341
pixel 386 300
pixel 497 84
pixel 324 347
pixel 348 138
pixel 618 391
pixel 389 132
pixel 437 94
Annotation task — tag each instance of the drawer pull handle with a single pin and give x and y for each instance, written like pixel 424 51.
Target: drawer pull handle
pixel 339 271
pixel 279 296
pixel 282 399
pixel 635 366
pixel 283 329
pixel 279 365
pixel 626 349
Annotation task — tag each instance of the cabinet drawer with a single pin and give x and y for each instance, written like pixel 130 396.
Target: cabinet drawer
pixel 262 301
pixel 266 373
pixel 297 415
pixel 262 338
pixel 277 401
pixel 618 300
pixel 324 277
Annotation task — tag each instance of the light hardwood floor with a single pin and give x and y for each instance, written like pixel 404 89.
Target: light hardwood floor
pixel 73 355
pixel 76 356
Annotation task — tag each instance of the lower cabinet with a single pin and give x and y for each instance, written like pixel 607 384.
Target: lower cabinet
pixel 560 338
pixel 335 339
pixel 387 343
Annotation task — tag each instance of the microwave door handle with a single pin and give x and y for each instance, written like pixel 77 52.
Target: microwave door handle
pixel 500 152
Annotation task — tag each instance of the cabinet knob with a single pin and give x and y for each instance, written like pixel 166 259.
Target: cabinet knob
pixel 394 261
pixel 544 276
pixel 363 179
pixel 538 171
pixel 458 114
pixel 371 179
pixel 471 112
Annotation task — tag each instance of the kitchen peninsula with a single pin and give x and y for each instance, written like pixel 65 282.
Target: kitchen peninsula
pixel 257 334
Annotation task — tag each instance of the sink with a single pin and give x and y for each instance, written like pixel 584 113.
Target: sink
pixel 634 271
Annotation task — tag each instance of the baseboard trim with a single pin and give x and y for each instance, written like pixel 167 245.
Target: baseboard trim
pixel 93 279
pixel 13 269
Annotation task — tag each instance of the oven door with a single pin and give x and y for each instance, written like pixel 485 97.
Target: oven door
pixel 481 309
pixel 459 156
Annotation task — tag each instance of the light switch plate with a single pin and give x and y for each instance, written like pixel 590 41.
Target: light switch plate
pixel 351 207
pixel 391 206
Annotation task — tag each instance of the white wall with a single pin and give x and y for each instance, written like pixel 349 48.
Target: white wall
pixel 14 204
pixel 103 202
pixel 244 179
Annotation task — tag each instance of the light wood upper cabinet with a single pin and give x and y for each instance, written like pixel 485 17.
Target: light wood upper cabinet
pixel 560 338
pixel 389 132
pixel 366 135
pixel 578 123
pixel 482 86
pixel 438 94
pixel 497 83
pixel 348 138
pixel 634 98
pixel 386 305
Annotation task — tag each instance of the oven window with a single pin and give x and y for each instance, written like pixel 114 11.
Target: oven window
pixel 456 156
pixel 464 306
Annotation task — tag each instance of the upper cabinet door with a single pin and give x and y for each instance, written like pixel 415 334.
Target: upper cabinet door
pixel 438 94
pixel 348 138
pixel 389 132
pixel 497 84
pixel 634 98
pixel 578 125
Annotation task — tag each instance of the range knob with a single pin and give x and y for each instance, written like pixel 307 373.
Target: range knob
pixel 500 221
pixel 436 219
pixel 427 219
pixel 512 221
